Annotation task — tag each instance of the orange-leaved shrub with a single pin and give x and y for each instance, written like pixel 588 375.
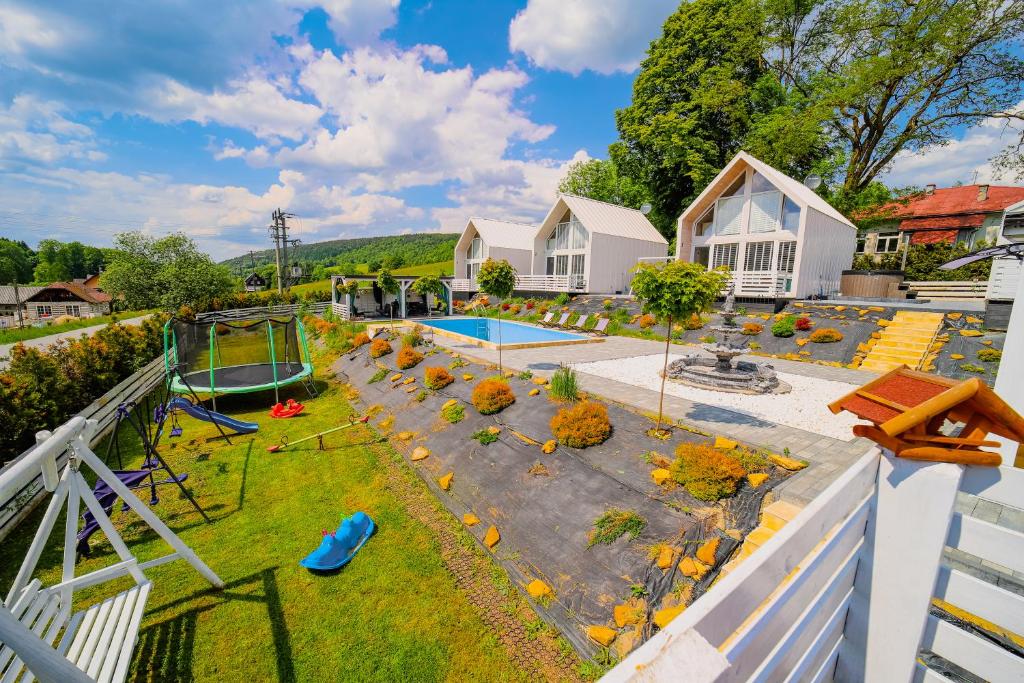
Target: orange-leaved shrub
pixel 492 395
pixel 706 472
pixel 825 335
pixel 750 329
pixel 437 378
pixel 646 321
pixel 408 357
pixel 380 347
pixel 581 425
pixel 360 339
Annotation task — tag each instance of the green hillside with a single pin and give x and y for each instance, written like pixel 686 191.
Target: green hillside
pixel 415 249
pixel 439 268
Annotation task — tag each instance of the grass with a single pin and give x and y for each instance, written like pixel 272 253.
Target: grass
pixel 564 385
pixel 25 333
pixel 394 613
pixel 614 523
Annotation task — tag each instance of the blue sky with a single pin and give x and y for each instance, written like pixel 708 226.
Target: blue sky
pixel 362 117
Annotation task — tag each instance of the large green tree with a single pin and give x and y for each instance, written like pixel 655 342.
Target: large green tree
pixel 64 261
pixel 16 262
pixel 167 272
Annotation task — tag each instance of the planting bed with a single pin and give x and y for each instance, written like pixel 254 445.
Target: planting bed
pixel 544 505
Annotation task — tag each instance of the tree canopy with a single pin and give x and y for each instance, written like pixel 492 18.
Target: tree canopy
pixel 16 262
pixel 63 261
pixel 497 278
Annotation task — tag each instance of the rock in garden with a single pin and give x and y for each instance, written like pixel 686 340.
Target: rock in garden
pixel 757 478
pixel 706 553
pixel 405 436
pixel 494 430
pixel 419 453
pixel 787 463
pixel 445 482
pixel 395 377
pixel 540 380
pixel 724 443
pixel 548 447
pixel 665 557
pixel 449 403
pixel 692 568
pixel 469 519
pixel 533 392
pixel 602 635
pixel 539 590
pixel 660 476
pixel 492 537
pixel 467 377
pixel 663 616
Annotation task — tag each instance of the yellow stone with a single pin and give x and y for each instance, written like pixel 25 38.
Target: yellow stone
pixel 840 309
pixel 469 519
pixel 987 342
pixel 533 392
pixel 411 389
pixel 405 436
pixel 539 590
pixel 665 557
pixel 724 443
pixel 884 323
pixel 954 316
pixel 692 568
pixel 970 333
pixel 548 447
pixel 409 380
pixel 449 403
pixel 395 377
pixel 805 353
pixel 660 475
pixel 445 482
pixel 467 377
pixel 785 463
pixel 974 321
pixel 957 356
pixel 492 537
pixel 757 478
pixel 876 335
pixel 663 616
pixel 419 453
pixel 625 615
pixel 540 380
pixel 706 553
pixel 876 309
pixel 494 430
pixel 602 635
pixel 803 341
pixel 798 305
pixel 624 644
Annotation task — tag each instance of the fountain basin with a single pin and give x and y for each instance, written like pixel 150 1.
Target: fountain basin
pixel 742 377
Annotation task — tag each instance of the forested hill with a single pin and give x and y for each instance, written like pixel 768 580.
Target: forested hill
pixel 413 249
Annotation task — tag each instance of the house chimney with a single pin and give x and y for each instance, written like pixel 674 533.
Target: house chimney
pixel 929 188
pixel 982 192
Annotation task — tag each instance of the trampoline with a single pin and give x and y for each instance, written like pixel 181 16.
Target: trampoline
pixel 221 356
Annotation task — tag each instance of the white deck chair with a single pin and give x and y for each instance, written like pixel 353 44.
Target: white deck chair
pixel 581 322
pixel 546 320
pixel 42 637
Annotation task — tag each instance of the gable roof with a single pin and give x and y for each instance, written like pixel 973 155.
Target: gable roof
pixel 24 292
pixel 501 234
pixel 604 218
pixel 792 188
pixel 949 207
pixel 91 296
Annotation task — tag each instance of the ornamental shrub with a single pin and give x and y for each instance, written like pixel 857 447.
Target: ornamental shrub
pixel 437 378
pixel 454 413
pixel 380 347
pixel 562 299
pixel 750 329
pixel 564 386
pixel 530 304
pixel 694 322
pixel 705 472
pixel 505 306
pixel 492 396
pixel 360 339
pixel 581 425
pixel 989 355
pixel 646 321
pixel 413 337
pixel 803 323
pixel 784 327
pixel 408 357
pixel 826 335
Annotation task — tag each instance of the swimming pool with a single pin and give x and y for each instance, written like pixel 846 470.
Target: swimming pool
pixel 484 332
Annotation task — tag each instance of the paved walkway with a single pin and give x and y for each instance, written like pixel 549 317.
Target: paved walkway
pixel 828 457
pixel 43 342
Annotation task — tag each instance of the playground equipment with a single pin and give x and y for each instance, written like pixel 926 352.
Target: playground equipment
pixel 197 411
pixel 337 548
pixel 319 436
pixel 290 408
pixel 233 357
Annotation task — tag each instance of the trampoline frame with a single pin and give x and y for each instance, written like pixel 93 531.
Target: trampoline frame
pixel 179 385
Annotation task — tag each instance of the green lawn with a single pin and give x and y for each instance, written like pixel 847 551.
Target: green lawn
pixel 394 613
pixel 16 335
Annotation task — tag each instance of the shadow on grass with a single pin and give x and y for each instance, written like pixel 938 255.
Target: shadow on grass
pixel 166 649
pixel 245 476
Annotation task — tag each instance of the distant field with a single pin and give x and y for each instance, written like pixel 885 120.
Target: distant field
pixel 441 267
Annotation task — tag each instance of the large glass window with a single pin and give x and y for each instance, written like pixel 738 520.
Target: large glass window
pixel 764 211
pixel 549 265
pixel 790 215
pixel 578 262
pixel 724 255
pixel 787 256
pixel 476 249
pixel 705 224
pixel 702 255
pixel 562 265
pixel 562 236
pixel 727 221
pixel 579 235
pixel 758 256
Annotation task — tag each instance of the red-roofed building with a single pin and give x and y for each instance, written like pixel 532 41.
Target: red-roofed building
pixel 969 213
pixel 67 298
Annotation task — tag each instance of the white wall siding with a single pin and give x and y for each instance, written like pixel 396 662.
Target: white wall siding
pixel 1002 281
pixel 825 249
pixel 611 259
pixel 521 259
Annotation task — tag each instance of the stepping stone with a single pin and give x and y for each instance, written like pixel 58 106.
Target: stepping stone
pixel 419 453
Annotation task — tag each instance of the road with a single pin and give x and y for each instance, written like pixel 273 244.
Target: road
pixel 43 342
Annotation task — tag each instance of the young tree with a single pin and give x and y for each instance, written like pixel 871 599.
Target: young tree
pixel 427 285
pixel 675 291
pixel 497 278
pixel 388 285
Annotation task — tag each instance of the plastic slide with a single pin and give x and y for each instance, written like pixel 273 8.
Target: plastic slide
pixel 200 413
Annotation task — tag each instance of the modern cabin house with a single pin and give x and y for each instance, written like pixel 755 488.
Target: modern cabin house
pixel 485 238
pixel 777 236
pixel 585 245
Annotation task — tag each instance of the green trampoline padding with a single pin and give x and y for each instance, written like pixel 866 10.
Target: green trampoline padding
pixel 240 379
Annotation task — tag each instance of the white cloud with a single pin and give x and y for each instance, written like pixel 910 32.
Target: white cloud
pixel 965 159
pixel 359 22
pixel 577 35
pixel 36 132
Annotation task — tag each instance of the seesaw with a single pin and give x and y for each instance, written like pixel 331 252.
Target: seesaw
pixel 319 436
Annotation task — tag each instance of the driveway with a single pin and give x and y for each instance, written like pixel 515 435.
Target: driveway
pixel 43 342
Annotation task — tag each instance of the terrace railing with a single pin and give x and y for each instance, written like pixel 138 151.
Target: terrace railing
pixel 845 590
pixel 766 283
pixel 343 311
pixel 531 283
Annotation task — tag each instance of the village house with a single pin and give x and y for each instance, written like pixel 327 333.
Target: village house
pixel 67 298
pixel 8 303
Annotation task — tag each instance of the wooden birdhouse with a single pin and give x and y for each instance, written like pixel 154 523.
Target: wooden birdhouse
pixel 927 417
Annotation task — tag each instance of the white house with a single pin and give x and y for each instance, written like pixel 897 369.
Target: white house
pixel 485 238
pixel 779 238
pixel 584 245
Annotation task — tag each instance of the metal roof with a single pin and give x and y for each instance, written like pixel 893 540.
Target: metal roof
pixel 501 234
pixel 604 218
pixel 24 292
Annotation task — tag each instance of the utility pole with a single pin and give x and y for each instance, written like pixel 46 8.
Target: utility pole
pixel 275 231
pixel 279 231
pixel 17 303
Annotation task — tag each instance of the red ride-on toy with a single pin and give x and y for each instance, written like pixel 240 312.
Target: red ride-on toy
pixel 290 408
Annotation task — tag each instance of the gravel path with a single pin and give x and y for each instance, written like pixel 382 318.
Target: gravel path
pixel 43 342
pixel 806 407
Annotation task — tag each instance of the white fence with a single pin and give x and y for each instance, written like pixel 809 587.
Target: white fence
pixel 1002 280
pixel 766 283
pixel 316 308
pixel 531 283
pixel 843 591
pixel 342 311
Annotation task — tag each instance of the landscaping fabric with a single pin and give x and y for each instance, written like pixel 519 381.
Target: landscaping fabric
pixel 545 517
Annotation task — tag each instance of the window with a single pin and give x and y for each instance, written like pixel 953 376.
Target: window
pixel 562 236
pixel 562 265
pixel 758 256
pixel 549 265
pixel 861 241
pixel 737 188
pixel 787 256
pixel 705 224
pixel 764 211
pixel 476 249
pixel 888 243
pixel 790 215
pixel 724 255
pixel 44 311
pixel 469 271
pixel 760 184
pixel 74 310
pixel 729 212
pixel 701 255
pixel 579 235
pixel 578 261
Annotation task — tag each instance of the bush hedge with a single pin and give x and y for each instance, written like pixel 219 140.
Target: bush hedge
pixel 492 396
pixel 705 472
pixel 826 335
pixel 784 327
pixel 581 425
pixel 437 378
pixel 646 321
pixel 380 347
pixel 408 357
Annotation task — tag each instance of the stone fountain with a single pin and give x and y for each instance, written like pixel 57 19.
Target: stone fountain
pixel 721 373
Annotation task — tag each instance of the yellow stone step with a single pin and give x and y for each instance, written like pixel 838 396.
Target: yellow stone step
pixel 880 365
pixel 896 357
pixel 896 346
pixel 783 510
pixel 759 536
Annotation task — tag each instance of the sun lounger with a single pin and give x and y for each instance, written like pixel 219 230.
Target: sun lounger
pixel 547 318
pixel 602 324
pixel 562 322
pixel 581 321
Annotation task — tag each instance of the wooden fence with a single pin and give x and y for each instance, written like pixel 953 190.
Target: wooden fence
pixel 845 590
pixel 953 290
pixel 316 308
pixel 104 410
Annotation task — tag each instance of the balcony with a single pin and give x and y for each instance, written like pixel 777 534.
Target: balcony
pixel 531 283
pixel 763 283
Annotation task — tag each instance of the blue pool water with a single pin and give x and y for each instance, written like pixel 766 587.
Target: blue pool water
pixel 511 333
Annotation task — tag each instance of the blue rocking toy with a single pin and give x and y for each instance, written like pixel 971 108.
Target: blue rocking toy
pixel 339 547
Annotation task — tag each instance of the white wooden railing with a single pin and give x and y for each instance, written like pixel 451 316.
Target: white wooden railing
pixel 531 283
pixel 763 283
pixel 952 290
pixel 843 591
pixel 343 311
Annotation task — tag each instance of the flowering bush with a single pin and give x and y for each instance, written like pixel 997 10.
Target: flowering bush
pixel 408 357
pixel 360 339
pixel 492 395
pixel 515 308
pixel 380 347
pixel 646 321
pixel 581 425
pixel 543 309
pixel 803 323
pixel 750 329
pixel 826 335
pixel 706 472
pixel 694 322
pixel 505 306
pixel 437 378
pixel 530 304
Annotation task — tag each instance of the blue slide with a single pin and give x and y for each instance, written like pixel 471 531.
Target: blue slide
pixel 199 413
